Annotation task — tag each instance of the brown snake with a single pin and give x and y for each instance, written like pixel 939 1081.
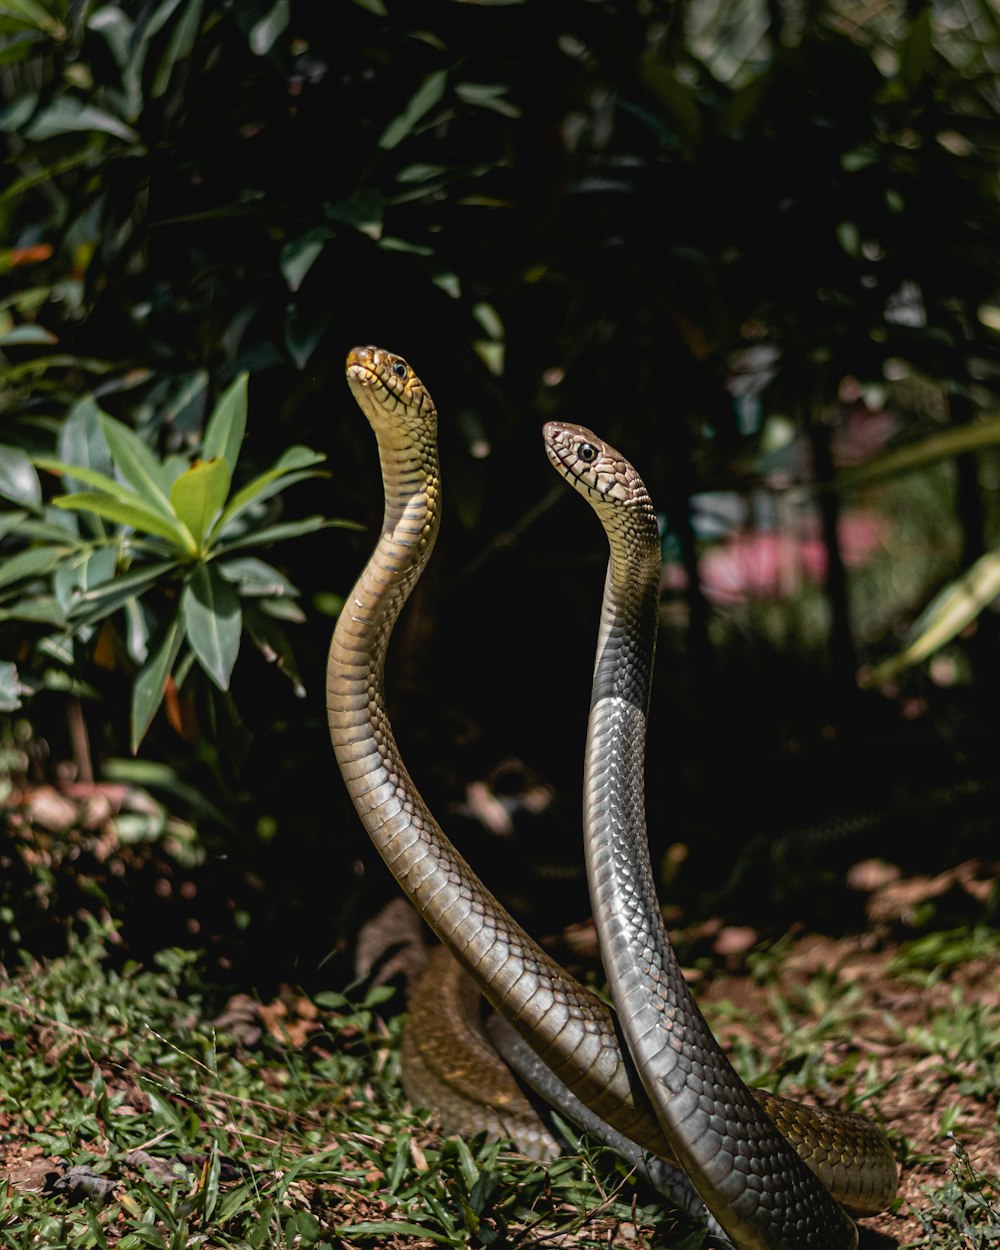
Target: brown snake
pixel 568 1027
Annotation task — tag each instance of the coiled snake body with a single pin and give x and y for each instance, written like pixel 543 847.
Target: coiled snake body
pixel 752 1181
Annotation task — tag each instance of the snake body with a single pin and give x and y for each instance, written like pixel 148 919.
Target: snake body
pixel 748 1175
pixel 570 1029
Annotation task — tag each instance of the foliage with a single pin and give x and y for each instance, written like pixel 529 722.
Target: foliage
pixel 280 1125
pixel 756 250
pixel 172 563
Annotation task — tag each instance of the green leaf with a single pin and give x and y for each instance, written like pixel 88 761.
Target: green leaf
pixel 278 533
pixel 363 211
pixel 214 622
pixel 137 514
pixel 10 687
pixel 82 441
pixel 182 40
pixel 137 464
pixel 265 32
pixel 298 255
pixel 199 493
pixel 272 641
pixel 227 425
pixel 11 521
pixel 23 334
pixel 66 114
pixel 18 479
pixel 83 571
pixel 90 477
pixel 255 577
pixel 294 458
pixel 948 614
pixel 422 101
pixel 151 680
pixel 31 563
pixel 303 332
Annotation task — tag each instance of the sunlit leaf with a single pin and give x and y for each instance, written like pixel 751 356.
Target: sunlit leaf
pixel 31 563
pixel 26 334
pixel 151 680
pixel 199 493
pixel 82 442
pixel 944 446
pixel 948 614
pixel 134 513
pixel 137 464
pixel 268 29
pixel 213 621
pixel 18 479
pixel 255 577
pixel 10 687
pixel 226 427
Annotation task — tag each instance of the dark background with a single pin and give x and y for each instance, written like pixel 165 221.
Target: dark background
pixel 753 246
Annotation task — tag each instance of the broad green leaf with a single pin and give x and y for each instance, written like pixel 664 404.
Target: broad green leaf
pixel 182 40
pixel 213 621
pixel 31 563
pixel 297 256
pixel 18 480
pixel 136 514
pixel 303 332
pixel 84 571
pixel 269 28
pixel 255 577
pixel 90 477
pixel 11 521
pixel 10 687
pixel 137 464
pixel 98 602
pixel 66 114
pixel 948 614
pixel 272 641
pixel 26 334
pixel 44 610
pixel 227 425
pixel 151 680
pixel 422 101
pixel 82 441
pixel 363 211
pixel 199 493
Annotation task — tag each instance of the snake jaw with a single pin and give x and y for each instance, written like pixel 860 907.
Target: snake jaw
pixel 385 387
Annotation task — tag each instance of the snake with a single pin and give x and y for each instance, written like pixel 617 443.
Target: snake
pixel 570 1029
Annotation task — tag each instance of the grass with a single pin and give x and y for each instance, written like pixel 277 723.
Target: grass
pixel 128 1119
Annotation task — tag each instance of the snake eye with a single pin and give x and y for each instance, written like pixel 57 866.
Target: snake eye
pixel 587 452
pixel 399 368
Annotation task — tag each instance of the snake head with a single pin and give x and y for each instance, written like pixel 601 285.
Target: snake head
pixel 592 466
pixel 389 392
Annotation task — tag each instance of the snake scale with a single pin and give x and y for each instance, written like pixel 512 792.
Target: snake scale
pixel 688 1104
